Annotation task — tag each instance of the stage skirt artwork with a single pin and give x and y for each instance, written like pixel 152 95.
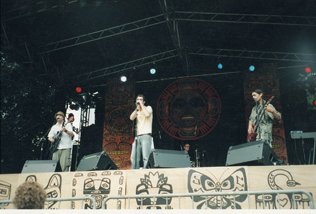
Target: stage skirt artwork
pixel 166 183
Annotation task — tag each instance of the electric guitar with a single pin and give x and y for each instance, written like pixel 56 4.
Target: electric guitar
pixel 252 136
pixel 54 145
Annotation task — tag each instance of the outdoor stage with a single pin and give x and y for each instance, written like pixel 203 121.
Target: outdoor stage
pixel 268 187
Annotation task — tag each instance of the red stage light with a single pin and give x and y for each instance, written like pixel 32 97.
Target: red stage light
pixel 314 102
pixel 308 69
pixel 78 90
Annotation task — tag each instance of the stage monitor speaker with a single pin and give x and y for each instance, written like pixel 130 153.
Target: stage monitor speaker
pixel 96 161
pixel 31 166
pixel 160 158
pixel 253 153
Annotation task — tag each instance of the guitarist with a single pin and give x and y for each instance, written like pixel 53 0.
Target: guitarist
pixel 65 133
pixel 261 118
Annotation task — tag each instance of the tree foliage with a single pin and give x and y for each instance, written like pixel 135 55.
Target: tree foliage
pixel 26 113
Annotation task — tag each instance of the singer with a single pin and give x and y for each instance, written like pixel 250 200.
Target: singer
pixel 143 142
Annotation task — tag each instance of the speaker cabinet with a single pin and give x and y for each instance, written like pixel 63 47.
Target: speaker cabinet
pixel 96 161
pixel 253 153
pixel 33 166
pixel 160 158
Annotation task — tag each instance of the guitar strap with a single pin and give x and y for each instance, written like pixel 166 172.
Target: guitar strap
pixel 259 111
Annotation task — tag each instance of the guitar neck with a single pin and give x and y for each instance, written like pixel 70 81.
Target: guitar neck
pixel 261 113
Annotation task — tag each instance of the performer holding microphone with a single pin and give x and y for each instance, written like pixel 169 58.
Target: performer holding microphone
pixel 143 142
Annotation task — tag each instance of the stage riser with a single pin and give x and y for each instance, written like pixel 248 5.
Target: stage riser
pixel 101 184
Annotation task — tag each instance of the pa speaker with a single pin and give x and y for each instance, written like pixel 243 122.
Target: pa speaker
pixel 31 166
pixel 160 158
pixel 253 153
pixel 96 161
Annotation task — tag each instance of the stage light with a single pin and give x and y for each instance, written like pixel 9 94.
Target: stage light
pixel 252 68
pixel 123 78
pixel 220 66
pixel 314 103
pixel 152 71
pixel 78 89
pixel 308 70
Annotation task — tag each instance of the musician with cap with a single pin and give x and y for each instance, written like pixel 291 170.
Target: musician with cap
pixel 60 136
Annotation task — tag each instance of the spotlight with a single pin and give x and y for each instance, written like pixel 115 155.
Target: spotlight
pixel 123 78
pixel 308 70
pixel 252 68
pixel 78 89
pixel 220 66
pixel 152 70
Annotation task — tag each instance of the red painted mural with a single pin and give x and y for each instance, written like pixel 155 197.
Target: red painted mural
pixel 188 109
pixel 118 129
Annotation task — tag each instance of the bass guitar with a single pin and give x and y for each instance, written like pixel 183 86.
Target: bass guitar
pixel 252 136
pixel 54 145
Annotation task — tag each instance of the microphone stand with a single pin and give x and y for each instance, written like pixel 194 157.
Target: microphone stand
pixel 135 141
pixel 197 158
pixel 42 140
pixel 78 144
pixel 42 147
pixel 77 155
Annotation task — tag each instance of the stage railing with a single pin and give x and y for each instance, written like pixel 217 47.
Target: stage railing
pixel 82 198
pixel 167 197
pixel 293 193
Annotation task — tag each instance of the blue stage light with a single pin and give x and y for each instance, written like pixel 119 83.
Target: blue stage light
pixel 252 68
pixel 220 66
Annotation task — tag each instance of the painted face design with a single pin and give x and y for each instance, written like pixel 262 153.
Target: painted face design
pixel 202 183
pixel 153 184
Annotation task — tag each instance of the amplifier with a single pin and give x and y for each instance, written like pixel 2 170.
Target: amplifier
pixel 253 153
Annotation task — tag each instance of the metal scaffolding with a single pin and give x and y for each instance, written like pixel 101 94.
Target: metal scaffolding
pixel 239 18
pixel 255 54
pixel 102 34
pixel 229 53
pixel 173 26
pixel 102 72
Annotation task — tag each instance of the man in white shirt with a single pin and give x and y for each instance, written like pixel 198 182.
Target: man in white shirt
pixel 65 132
pixel 143 142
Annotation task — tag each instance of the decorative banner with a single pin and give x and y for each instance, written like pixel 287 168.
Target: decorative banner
pixel 282 178
pixel 118 129
pixel 8 185
pixel 96 184
pixel 268 81
pixel 181 181
pixel 231 182
pixel 188 109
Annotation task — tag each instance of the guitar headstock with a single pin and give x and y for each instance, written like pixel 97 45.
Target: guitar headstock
pixel 270 99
